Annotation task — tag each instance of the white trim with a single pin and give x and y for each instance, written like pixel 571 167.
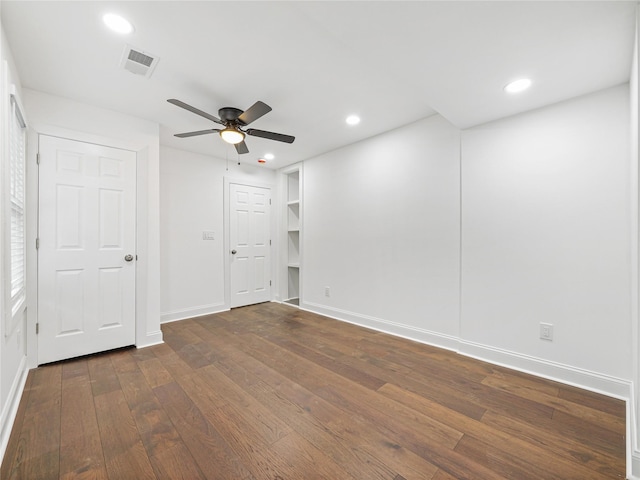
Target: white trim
pixel 191 312
pixel 150 339
pixel 577 377
pixel 409 332
pixel 634 467
pixel 632 454
pixel 10 410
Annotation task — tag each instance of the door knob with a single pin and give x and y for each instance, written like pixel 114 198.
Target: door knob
pixel 128 258
pixel 233 252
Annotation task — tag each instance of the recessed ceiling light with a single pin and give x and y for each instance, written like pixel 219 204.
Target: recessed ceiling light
pixel 353 120
pixel 117 23
pixel 269 156
pixel 517 85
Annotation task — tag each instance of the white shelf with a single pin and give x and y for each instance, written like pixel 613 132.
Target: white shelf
pixel 293 210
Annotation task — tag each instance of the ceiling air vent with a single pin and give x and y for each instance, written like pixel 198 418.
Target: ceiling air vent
pixel 138 62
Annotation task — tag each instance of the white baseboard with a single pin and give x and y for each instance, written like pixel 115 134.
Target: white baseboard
pixel 183 314
pixel 152 338
pixel 10 410
pixel 421 335
pixel 585 379
pixel 633 473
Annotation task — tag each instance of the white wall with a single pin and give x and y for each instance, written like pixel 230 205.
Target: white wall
pixel 59 116
pixel 546 235
pixel 191 202
pixel 382 230
pixel 12 343
pixel 545 228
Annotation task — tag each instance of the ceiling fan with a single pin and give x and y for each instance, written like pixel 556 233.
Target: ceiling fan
pixel 233 119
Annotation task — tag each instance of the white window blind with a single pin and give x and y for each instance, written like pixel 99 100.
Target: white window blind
pixel 17 155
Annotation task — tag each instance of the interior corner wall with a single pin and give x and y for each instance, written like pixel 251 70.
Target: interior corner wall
pixel 546 238
pixel 191 203
pixel 469 240
pixel 382 232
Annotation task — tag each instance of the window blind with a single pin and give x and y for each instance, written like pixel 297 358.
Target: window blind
pixel 17 156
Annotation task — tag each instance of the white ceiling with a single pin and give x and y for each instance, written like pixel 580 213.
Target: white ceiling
pixel 391 62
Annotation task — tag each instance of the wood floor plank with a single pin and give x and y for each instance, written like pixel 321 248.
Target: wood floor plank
pixel 81 454
pixel 103 375
pixel 155 372
pixel 518 466
pixel 211 451
pixel 176 463
pixel 363 451
pixel 306 460
pixel 124 453
pixel 577 410
pixel 564 452
pixel 152 422
pixel 271 392
pixel 351 396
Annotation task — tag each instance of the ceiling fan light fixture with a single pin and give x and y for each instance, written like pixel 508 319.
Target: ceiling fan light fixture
pixel 231 135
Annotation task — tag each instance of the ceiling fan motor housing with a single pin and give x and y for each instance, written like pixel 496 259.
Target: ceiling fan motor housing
pixel 230 115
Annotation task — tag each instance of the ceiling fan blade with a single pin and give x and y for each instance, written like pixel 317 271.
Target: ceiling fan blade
pixel 270 135
pixel 254 112
pixel 241 148
pixel 199 132
pixel 195 110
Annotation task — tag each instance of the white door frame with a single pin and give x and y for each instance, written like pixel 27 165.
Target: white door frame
pixel 227 243
pixel 143 338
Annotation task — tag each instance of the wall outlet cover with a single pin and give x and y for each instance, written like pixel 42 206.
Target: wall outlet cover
pixel 546 331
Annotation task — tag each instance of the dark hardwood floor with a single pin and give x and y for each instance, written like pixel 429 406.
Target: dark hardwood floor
pixel 270 392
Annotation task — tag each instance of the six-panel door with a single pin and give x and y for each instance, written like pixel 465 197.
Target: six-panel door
pixel 250 240
pixel 86 256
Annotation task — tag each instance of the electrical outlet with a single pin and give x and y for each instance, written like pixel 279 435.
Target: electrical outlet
pixel 327 292
pixel 208 235
pixel 546 331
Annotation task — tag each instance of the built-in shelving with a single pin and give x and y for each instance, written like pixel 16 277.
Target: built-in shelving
pixel 293 237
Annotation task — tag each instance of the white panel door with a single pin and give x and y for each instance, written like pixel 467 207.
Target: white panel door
pixel 250 244
pixel 86 256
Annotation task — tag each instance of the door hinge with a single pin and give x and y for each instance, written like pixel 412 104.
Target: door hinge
pixel 269 282
pixel 269 242
pixel 269 201
pixel 37 243
pixel 37 328
pixel 38 158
